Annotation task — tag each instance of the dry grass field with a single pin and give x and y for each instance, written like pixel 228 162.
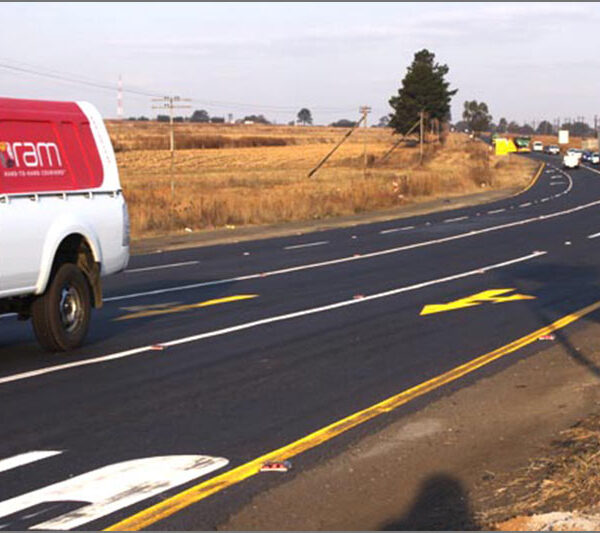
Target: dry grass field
pixel 258 174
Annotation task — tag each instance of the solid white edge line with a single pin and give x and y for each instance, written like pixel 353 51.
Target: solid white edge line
pixel 296 314
pixel 159 267
pixel 592 169
pixel 307 245
pixel 25 458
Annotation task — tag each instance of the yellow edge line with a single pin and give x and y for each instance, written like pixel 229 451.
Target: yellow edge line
pixel 533 181
pixel 205 489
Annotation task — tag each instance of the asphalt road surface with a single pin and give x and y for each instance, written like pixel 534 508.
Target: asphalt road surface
pixel 204 361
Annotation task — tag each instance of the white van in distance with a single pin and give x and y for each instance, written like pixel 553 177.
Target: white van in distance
pixel 63 218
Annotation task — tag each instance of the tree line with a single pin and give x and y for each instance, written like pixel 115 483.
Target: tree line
pixel 424 94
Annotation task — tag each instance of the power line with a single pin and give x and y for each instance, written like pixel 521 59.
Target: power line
pixel 19 67
pixel 73 79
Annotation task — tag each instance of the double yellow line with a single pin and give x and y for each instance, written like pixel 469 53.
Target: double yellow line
pixel 216 484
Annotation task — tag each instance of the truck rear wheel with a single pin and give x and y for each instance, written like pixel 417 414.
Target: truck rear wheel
pixel 61 315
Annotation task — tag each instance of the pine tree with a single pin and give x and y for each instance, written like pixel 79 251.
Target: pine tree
pixel 423 89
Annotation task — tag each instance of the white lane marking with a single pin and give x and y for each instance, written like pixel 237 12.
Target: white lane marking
pixel 593 235
pixel 544 199
pixel 114 487
pixel 160 267
pixel 8 315
pixel 555 183
pixel 348 259
pixel 455 219
pixel 307 245
pixel 496 211
pixel 25 458
pixel 261 322
pixel 592 169
pixel 525 205
pixel 392 230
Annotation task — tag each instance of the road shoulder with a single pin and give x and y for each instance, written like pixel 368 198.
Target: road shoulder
pixel 444 466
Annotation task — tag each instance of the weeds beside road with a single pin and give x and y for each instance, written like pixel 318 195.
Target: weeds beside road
pixel 233 186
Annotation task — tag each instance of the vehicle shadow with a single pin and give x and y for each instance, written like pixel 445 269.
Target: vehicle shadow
pixel 442 504
pixel 19 350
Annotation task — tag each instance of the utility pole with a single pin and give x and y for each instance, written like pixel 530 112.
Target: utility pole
pixel 120 98
pixel 364 111
pixel 334 149
pixel 171 103
pixel 421 114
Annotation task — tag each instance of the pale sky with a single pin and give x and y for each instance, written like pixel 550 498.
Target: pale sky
pixel 527 61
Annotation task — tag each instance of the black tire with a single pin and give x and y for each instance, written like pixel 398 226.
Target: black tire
pixel 61 316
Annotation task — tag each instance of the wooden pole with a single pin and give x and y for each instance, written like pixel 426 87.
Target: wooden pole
pixel 342 140
pixel 421 138
pixel 397 143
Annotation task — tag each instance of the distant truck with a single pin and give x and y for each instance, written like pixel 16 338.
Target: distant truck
pixel 538 146
pixel 63 218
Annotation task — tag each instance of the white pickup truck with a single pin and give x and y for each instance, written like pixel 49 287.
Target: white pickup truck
pixel 63 218
pixel 572 158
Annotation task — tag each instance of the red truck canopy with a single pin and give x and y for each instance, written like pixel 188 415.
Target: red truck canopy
pixel 46 146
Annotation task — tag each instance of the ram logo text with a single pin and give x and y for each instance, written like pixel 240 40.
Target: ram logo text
pixel 32 155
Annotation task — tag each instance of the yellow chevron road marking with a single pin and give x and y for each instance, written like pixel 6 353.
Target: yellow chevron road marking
pixel 494 296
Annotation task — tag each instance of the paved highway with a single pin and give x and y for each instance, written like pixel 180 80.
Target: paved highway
pixel 207 362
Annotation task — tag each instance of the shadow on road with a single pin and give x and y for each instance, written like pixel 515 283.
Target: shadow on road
pixel 442 504
pixel 579 285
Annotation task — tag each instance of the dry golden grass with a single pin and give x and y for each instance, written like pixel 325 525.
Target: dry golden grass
pixel 155 135
pixel 567 477
pixel 269 184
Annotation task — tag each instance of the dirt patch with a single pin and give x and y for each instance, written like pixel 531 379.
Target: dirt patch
pixel 552 522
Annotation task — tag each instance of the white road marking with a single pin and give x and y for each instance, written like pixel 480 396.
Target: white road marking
pixel 25 458
pixel 593 235
pixel 455 219
pixel 590 168
pixel 308 245
pixel 159 267
pixel 555 183
pixel 348 259
pixel 392 230
pixel 496 211
pixel 8 315
pixel 525 205
pixel 305 312
pixel 114 487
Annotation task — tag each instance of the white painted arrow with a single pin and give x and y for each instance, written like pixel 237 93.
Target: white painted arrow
pixel 114 487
